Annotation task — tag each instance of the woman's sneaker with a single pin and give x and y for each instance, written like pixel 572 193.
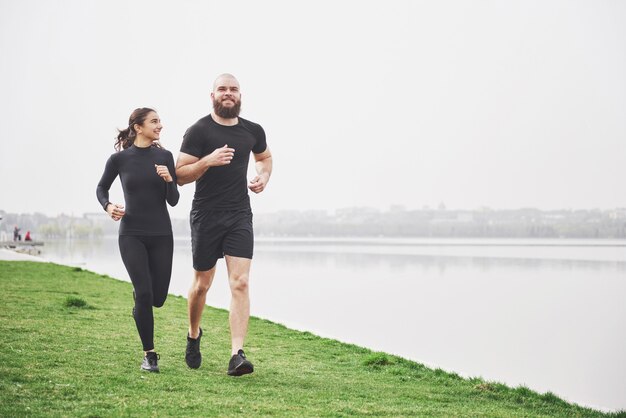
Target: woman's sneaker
pixel 193 358
pixel 239 365
pixel 151 362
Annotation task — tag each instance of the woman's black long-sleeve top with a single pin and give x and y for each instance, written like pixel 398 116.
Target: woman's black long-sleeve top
pixel 145 192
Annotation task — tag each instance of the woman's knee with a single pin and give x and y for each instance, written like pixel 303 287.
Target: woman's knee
pixel 159 301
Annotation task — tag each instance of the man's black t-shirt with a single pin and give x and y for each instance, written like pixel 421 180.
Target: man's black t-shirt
pixel 223 187
pixel 145 192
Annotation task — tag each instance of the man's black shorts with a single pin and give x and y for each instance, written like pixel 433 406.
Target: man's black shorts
pixel 215 233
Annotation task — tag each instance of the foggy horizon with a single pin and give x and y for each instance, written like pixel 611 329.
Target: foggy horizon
pixel 506 106
pixel 331 211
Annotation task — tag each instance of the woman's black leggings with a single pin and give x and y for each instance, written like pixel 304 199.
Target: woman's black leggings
pixel 148 260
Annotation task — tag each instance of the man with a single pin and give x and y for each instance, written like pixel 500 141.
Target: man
pixel 215 154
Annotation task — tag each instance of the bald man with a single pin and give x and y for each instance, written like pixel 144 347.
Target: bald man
pixel 215 153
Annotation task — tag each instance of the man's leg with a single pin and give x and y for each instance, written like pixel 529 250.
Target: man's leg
pixel 195 304
pixel 197 299
pixel 238 274
pixel 238 277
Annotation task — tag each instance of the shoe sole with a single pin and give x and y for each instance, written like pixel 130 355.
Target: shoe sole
pixel 243 368
pixel 150 371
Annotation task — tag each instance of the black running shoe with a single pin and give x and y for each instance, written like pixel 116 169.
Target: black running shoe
pixel 193 358
pixel 150 362
pixel 239 365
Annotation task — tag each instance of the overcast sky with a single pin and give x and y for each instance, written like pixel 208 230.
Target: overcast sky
pixel 504 104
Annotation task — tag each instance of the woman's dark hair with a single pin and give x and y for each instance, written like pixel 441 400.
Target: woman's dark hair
pixel 126 137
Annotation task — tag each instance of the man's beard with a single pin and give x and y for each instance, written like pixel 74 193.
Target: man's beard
pixel 226 112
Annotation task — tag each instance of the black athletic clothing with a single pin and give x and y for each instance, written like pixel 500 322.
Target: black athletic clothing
pixel 224 187
pixel 148 260
pixel 215 233
pixel 146 242
pixel 221 218
pixel 145 192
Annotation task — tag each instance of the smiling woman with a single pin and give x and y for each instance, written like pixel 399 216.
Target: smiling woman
pixel 148 180
pixel 149 125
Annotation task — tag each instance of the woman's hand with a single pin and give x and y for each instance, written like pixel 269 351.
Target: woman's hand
pixel 115 211
pixel 164 173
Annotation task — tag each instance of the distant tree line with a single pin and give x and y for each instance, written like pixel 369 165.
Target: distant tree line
pixel 522 223
pixel 365 222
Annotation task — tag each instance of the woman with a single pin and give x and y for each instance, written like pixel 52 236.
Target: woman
pixel 148 180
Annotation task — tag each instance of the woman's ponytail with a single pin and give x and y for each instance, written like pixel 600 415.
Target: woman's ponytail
pixel 125 138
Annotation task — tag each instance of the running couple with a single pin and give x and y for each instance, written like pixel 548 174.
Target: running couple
pixel 215 154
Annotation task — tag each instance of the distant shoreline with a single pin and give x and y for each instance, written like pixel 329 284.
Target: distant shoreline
pixel 426 242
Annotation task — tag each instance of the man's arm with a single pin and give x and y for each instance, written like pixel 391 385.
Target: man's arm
pixel 263 167
pixel 190 168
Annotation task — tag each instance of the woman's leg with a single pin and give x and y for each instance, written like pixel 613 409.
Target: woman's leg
pixel 160 260
pixel 135 257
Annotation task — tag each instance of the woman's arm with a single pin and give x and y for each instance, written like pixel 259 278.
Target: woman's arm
pixel 172 194
pixel 116 211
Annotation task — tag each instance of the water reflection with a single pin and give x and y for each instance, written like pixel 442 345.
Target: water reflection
pixel 399 262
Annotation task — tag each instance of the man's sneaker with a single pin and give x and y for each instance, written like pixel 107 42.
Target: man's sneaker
pixel 239 365
pixel 193 358
pixel 150 362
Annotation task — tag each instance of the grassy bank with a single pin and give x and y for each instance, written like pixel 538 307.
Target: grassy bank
pixel 68 347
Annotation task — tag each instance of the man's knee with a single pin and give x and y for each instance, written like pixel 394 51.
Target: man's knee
pixel 239 282
pixel 202 281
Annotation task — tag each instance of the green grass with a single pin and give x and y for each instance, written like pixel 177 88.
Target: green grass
pixel 74 302
pixel 69 347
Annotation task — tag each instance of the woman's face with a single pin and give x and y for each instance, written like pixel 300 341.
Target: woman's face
pixel 151 127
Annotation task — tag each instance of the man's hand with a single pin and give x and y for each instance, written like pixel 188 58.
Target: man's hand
pixel 257 184
pixel 115 211
pixel 221 156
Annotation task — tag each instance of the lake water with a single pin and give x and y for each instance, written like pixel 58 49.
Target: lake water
pixel 548 314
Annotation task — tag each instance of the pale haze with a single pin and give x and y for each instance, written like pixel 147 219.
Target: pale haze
pixel 504 104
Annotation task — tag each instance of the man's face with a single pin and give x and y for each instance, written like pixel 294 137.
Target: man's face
pixel 226 98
